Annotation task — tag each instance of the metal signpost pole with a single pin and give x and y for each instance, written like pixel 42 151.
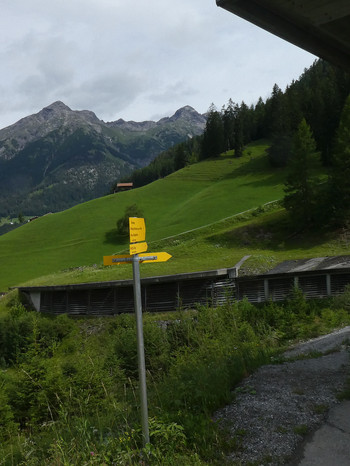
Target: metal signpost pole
pixel 137 233
pixel 140 348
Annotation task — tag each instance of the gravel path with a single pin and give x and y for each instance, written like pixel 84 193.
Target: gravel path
pixel 279 404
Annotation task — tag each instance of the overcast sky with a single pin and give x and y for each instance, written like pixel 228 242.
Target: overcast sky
pixel 136 60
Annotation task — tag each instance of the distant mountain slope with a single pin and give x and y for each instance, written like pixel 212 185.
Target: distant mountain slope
pixel 58 157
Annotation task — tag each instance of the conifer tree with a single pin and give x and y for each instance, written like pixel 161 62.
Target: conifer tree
pixel 339 180
pixel 238 137
pixel 228 116
pixel 213 136
pixel 299 187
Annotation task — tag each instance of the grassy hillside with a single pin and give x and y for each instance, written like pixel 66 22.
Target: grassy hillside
pixel 192 198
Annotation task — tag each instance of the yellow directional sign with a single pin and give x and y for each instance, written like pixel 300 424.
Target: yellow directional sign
pixel 154 257
pixel 137 229
pixel 144 258
pixel 136 248
pixel 111 260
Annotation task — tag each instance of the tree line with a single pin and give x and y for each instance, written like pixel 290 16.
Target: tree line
pixel 311 202
pixel 318 96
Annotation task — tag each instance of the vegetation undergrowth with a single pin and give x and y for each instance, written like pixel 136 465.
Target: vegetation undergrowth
pixel 69 387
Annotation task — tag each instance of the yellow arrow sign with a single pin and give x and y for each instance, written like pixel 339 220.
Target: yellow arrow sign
pixel 154 257
pixel 144 258
pixel 112 260
pixel 137 229
pixel 136 248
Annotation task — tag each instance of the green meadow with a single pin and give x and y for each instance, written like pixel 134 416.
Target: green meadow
pixel 207 215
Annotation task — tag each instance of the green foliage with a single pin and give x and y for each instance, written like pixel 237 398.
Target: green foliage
pixel 156 346
pixel 339 182
pixel 69 396
pixel 342 301
pixel 169 161
pixel 8 428
pixel 300 195
pixel 280 151
pixel 123 222
pixel 213 137
pixel 301 429
pixel 345 393
pixel 239 130
pixel 20 329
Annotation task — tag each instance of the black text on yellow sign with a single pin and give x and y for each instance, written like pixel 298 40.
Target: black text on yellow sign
pixel 137 229
pixel 137 248
pixel 147 258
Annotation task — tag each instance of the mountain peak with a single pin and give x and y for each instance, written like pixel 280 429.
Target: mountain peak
pixel 184 110
pixel 58 105
pixel 188 113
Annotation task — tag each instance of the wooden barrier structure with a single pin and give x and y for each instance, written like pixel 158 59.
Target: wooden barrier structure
pixel 164 293
pixel 317 278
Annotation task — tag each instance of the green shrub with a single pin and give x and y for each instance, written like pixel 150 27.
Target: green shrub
pixel 8 427
pixel 342 301
pixel 15 333
pixel 123 222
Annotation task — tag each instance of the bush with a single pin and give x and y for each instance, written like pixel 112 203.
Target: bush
pixel 123 222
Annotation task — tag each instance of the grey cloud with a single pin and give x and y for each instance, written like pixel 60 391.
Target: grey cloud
pixel 176 91
pixel 142 58
pixel 107 95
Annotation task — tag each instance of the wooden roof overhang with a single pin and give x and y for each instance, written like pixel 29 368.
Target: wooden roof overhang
pixel 321 27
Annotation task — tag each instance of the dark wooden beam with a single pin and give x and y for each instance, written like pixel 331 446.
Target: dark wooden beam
pixel 321 28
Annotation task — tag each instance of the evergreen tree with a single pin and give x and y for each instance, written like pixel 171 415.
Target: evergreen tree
pixel 238 140
pixel 246 120
pixel 339 180
pixel 259 118
pixel 280 150
pixel 181 156
pixel 213 137
pixel 278 117
pixel 228 116
pixel 299 188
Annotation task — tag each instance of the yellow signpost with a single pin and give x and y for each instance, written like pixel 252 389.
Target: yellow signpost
pixel 144 258
pixel 154 257
pixel 137 248
pixel 112 260
pixel 138 245
pixel 137 229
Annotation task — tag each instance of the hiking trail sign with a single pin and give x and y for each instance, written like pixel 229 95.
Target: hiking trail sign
pixel 138 245
pixel 137 229
pixel 144 258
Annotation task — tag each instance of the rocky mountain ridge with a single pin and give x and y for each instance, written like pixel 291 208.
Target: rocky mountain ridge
pixel 59 157
pixel 186 113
